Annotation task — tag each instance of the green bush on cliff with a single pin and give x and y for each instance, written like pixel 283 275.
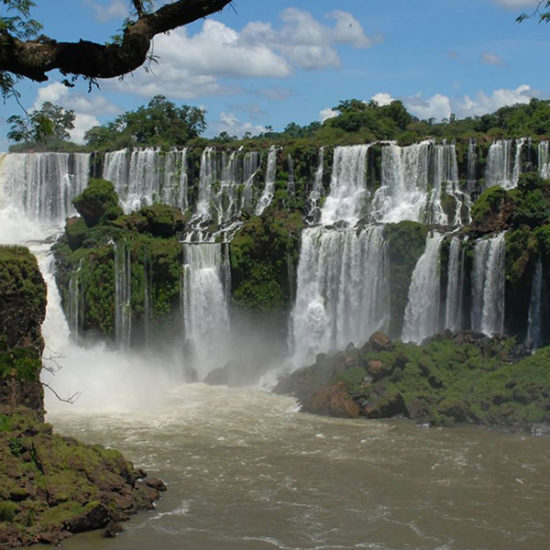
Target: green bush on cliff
pixel 263 254
pixel 488 204
pixel 98 202
pixel 405 244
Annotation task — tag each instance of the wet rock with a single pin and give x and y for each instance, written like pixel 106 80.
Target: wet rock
pixel 96 516
pixel 112 530
pixel 333 400
pixel 155 483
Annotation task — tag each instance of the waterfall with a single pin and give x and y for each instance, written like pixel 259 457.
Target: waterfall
pixel 317 189
pixel 455 287
pixel 422 311
pixel 148 175
pixel 544 160
pixel 488 285
pixel 471 165
pixel 291 186
pixel 270 174
pixel 208 176
pixel 342 293
pixel 347 186
pixel 501 169
pixel 534 325
pixel 41 186
pixel 204 300
pixel 123 295
pixel 405 175
pixel 251 165
pixel 74 308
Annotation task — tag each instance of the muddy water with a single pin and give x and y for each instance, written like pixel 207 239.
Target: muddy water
pixel 246 471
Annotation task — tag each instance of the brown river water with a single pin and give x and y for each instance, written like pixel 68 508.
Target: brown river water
pixel 246 471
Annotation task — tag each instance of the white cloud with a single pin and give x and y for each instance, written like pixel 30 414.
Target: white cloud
pixel 515 4
pixel 82 124
pixel 85 107
pixel 483 103
pixel 191 65
pixel 327 113
pixel 492 59
pixel 440 106
pixel 276 93
pixel 437 106
pixel 115 9
pixel 382 98
pixel 229 123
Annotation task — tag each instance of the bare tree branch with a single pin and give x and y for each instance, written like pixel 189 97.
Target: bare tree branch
pixel 35 58
pixel 71 399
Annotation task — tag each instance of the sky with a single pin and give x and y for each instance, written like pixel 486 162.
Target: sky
pixel 273 62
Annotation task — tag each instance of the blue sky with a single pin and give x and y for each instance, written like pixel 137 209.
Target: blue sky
pixel 275 62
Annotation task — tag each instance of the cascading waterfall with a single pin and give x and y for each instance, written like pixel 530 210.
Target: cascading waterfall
pixel 488 285
pixel 502 169
pixel 342 292
pixel 291 186
pixel 147 175
pixel 251 165
pixel 347 186
pixel 207 178
pixel 74 309
pixel 316 189
pixel 534 325
pixel 204 303
pixel 42 186
pixel 544 160
pixel 123 295
pixel 269 189
pixel 405 176
pixel 471 165
pixel 422 311
pixel 455 287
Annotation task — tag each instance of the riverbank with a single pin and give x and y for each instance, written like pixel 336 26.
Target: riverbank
pixel 50 486
pixel 450 379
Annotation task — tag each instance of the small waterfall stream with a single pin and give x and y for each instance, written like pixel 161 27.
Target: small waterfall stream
pixel 422 311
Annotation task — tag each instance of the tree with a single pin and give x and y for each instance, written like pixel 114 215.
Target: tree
pixel 25 55
pixel 542 10
pixel 49 122
pixel 159 123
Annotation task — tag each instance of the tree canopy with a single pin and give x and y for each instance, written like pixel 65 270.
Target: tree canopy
pixel 159 123
pixel 50 122
pixel 23 54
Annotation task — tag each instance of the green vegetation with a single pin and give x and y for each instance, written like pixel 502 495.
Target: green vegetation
pixel 467 379
pixel 98 202
pixel 160 123
pixel 263 255
pixel 53 486
pixel 406 243
pixel 48 124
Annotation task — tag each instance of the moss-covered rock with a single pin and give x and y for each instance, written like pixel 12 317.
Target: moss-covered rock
pixel 52 486
pixel 406 242
pixel 22 310
pixel 264 254
pixel 467 378
pixel 98 202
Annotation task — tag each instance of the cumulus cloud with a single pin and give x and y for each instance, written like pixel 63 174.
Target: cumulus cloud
pixel 440 106
pixel 327 113
pixel 382 98
pixel 230 123
pixel 115 9
pixel 489 58
pixel 515 4
pixel 191 65
pixel 85 107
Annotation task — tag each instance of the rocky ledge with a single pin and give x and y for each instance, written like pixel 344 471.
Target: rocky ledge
pixel 50 486
pixel 464 378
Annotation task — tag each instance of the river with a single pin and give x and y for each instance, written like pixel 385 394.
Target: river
pixel 246 471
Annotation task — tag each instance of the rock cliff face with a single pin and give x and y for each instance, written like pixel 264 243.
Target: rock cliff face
pixel 50 486
pixel 22 311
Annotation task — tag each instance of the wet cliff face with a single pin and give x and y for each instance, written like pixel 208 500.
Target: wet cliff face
pixel 22 311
